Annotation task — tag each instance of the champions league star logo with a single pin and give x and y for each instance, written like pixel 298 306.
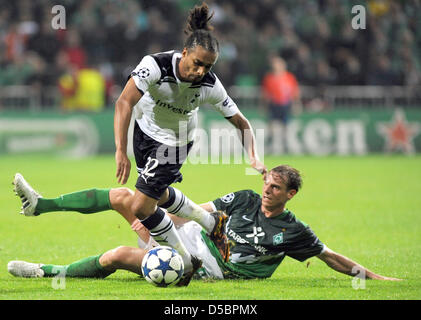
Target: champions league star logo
pixel 399 133
pixel 144 73
pixel 228 198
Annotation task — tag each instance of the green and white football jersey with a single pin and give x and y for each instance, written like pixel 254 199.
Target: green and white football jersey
pixel 259 244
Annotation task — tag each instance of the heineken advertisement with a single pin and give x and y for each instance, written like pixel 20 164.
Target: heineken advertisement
pixel 336 132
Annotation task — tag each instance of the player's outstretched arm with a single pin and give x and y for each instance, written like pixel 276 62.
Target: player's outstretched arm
pixel 345 265
pixel 122 116
pixel 249 142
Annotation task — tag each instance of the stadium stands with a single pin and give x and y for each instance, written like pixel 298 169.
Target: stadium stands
pixel 314 37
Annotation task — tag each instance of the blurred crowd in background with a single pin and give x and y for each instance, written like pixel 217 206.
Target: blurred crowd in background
pixel 105 39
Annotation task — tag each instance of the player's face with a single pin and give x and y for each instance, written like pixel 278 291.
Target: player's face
pixel 195 63
pixel 275 193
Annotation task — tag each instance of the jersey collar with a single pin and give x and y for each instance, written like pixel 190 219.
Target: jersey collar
pixel 280 216
pixel 177 55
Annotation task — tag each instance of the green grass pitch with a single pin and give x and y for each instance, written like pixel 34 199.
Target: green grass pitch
pixel 367 208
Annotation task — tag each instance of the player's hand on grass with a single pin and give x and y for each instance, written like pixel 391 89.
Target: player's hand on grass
pixel 391 279
pixel 123 167
pixel 379 277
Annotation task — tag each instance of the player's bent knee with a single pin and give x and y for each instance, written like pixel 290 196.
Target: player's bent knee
pixel 119 195
pixel 143 209
pixel 114 257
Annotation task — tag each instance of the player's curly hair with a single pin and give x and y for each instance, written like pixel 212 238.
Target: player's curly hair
pixel 199 29
pixel 290 176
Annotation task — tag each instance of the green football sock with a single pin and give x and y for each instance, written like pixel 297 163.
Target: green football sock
pixel 85 201
pixel 85 268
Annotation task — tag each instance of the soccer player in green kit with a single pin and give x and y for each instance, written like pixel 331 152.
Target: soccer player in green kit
pixel 261 232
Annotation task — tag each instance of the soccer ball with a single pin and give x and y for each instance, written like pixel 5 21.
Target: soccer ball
pixel 162 266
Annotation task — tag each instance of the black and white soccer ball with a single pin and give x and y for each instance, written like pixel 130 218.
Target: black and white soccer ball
pixel 162 266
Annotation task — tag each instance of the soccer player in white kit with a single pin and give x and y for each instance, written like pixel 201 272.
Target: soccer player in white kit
pixel 168 89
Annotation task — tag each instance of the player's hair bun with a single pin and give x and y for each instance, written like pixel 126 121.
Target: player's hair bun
pixel 199 19
pixel 199 29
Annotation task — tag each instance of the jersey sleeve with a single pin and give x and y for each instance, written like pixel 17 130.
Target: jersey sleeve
pixel 231 201
pixel 147 72
pixel 305 245
pixel 221 101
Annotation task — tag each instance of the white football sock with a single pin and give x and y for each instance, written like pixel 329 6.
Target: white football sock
pixel 185 208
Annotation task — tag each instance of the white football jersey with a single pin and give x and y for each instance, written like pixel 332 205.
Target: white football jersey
pixel 169 106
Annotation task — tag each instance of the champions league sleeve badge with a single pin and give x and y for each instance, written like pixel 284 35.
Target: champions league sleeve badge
pixel 143 73
pixel 228 198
